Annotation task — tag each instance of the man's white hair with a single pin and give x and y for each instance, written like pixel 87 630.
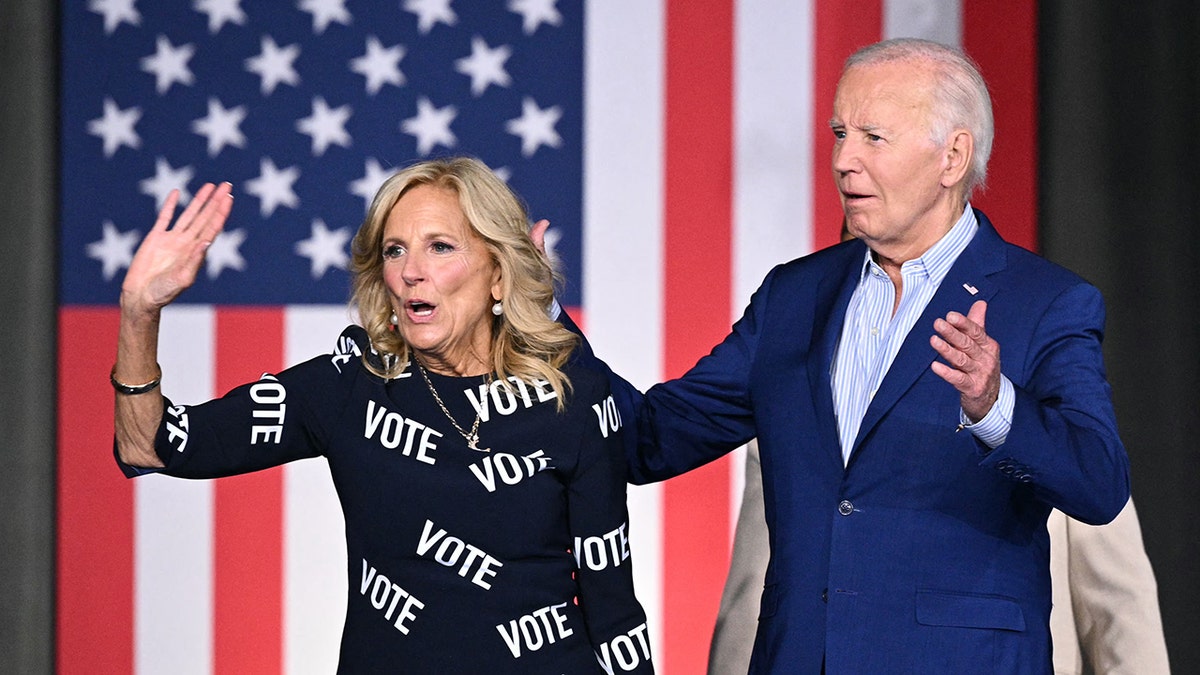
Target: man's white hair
pixel 961 99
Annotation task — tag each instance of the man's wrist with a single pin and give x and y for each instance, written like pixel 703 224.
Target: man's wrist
pixel 993 429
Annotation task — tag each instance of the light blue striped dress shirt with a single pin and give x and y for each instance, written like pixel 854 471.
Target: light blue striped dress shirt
pixel 872 335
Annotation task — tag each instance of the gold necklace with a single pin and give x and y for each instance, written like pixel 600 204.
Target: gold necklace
pixel 472 438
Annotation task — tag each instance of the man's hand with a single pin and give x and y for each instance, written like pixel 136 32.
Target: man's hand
pixel 973 358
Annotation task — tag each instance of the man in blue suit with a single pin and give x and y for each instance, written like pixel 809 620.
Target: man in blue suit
pixel 923 396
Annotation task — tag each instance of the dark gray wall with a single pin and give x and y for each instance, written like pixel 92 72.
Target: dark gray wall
pixel 27 369
pixel 1120 185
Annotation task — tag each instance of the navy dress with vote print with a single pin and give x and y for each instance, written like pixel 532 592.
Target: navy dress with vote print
pixel 514 560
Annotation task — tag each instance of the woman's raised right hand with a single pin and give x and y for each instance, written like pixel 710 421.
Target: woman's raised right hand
pixel 168 259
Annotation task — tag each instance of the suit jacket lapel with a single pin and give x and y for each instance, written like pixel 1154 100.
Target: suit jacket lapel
pixel 967 281
pixel 829 313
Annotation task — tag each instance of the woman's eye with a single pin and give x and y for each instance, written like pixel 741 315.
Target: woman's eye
pixel 392 251
pixel 441 247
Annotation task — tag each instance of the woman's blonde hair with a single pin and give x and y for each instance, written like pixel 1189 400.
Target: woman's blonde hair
pixel 525 341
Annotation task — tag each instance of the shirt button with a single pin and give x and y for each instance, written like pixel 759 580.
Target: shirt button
pixel 845 508
pixel 874 331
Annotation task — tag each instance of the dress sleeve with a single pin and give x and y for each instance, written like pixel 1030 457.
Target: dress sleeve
pixel 599 522
pixel 277 419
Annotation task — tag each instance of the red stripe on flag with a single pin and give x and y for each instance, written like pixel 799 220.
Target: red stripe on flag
pixel 248 514
pixel 1002 38
pixel 698 267
pixel 841 28
pixel 94 615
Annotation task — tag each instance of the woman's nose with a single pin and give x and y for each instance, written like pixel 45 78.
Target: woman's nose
pixel 413 270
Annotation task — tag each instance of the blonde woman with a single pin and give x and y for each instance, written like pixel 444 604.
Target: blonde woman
pixel 486 528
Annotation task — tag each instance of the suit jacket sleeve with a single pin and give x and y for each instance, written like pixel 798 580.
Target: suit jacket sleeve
pixel 690 421
pixel 685 423
pixel 1064 440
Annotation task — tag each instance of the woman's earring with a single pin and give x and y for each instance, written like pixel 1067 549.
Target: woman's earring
pixel 395 319
pixel 498 308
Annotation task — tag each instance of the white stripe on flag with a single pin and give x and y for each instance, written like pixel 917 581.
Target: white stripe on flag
pixel 623 232
pixel 173 528
pixel 773 175
pixel 314 543
pixel 939 20
pixel 773 144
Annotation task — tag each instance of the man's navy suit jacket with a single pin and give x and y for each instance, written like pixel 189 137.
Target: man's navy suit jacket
pixel 928 552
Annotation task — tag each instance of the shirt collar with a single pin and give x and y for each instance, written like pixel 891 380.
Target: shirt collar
pixel 939 258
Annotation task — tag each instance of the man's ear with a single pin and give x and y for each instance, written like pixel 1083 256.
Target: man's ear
pixel 538 234
pixel 960 148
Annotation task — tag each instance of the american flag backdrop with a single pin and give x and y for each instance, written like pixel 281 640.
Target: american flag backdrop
pixel 679 148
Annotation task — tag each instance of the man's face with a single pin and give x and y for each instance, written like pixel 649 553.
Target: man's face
pixel 889 172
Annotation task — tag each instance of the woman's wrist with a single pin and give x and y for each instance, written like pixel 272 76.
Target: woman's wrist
pixel 123 387
pixel 138 314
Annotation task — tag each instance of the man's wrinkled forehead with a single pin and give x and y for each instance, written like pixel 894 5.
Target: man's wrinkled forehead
pixel 867 91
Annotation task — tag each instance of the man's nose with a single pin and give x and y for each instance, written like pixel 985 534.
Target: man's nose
pixel 845 156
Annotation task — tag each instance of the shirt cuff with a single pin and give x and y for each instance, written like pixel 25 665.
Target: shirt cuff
pixel 993 429
pixel 554 310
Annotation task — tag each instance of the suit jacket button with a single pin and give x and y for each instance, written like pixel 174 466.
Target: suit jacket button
pixel 825 595
pixel 845 508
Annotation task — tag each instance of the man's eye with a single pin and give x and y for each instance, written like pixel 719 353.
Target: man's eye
pixel 392 251
pixel 874 138
pixel 839 134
